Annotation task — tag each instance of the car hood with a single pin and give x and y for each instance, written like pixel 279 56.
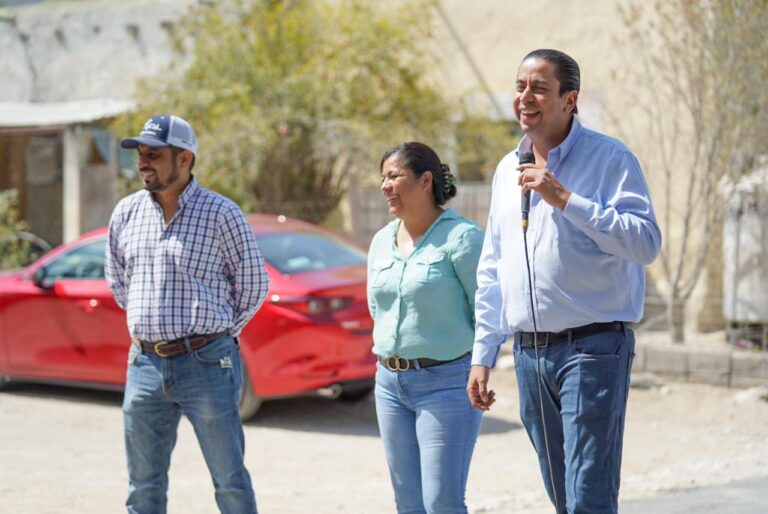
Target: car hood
pixel 9 276
pixel 9 281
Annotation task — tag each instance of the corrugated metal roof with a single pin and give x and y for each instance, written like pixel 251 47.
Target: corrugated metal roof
pixel 46 114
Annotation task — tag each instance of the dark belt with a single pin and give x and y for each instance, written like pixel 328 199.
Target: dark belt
pixel 547 338
pixel 397 363
pixel 178 346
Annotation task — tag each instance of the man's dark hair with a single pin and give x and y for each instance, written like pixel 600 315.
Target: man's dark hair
pixel 175 151
pixel 419 158
pixel 566 69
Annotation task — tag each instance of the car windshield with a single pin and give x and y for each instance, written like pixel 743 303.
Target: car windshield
pixel 296 252
pixel 83 262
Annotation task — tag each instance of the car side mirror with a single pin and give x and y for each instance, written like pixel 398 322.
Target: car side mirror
pixel 42 280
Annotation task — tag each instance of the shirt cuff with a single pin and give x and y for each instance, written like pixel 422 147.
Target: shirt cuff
pixel 578 210
pixel 485 355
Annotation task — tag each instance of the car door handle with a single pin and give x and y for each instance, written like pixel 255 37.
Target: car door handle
pixel 88 306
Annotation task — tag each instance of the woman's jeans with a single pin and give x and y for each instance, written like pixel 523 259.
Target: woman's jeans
pixel 205 386
pixel 585 383
pixel 429 430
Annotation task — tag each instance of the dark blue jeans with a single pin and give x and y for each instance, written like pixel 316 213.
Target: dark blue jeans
pixel 585 387
pixel 204 386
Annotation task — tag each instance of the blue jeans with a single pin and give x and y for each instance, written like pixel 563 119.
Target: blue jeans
pixel 205 386
pixel 429 431
pixel 585 387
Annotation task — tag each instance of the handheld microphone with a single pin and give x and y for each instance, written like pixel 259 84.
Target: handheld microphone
pixel 525 198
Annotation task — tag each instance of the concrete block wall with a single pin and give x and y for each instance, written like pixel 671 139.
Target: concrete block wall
pixel 749 369
pixel 728 367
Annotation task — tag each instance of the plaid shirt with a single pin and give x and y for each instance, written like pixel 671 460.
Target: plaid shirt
pixel 201 273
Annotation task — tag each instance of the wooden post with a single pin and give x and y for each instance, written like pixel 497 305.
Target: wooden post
pixel 71 185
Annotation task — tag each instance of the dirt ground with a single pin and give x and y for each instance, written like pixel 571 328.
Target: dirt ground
pixel 62 452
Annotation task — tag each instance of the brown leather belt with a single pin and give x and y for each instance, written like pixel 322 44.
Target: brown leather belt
pixel 396 363
pixel 547 338
pixel 178 346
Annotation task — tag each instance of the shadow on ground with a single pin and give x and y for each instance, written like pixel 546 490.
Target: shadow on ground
pixel 305 414
pixel 311 414
pixel 112 398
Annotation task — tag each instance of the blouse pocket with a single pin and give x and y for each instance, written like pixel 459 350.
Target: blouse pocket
pixel 380 272
pixel 427 267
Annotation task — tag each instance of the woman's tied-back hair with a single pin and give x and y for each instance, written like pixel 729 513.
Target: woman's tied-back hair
pixel 420 158
pixel 566 69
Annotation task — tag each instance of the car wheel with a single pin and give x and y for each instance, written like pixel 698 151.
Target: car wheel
pixel 4 381
pixel 354 393
pixel 249 402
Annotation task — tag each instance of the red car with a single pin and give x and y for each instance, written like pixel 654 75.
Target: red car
pixel 60 324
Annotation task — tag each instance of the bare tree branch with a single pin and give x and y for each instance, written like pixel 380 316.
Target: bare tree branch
pixel 705 64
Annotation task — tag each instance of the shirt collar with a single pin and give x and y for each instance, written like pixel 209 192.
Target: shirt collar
pixel 560 150
pixel 189 191
pixel 448 214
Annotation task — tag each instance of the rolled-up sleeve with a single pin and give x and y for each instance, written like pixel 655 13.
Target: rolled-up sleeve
pixel 465 256
pixel 369 281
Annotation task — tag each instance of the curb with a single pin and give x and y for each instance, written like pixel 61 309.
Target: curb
pixel 731 367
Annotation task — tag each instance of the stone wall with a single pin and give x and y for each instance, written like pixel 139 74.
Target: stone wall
pixel 82 50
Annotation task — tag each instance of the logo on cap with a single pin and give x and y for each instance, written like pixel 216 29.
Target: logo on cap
pixel 153 129
pixel 149 126
pixel 164 130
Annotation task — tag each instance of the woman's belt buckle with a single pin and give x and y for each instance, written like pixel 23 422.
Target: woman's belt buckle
pixel 396 363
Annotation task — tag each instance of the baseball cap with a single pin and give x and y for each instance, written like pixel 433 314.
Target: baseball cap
pixel 164 130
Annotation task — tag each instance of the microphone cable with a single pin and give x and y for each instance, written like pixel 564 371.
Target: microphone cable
pixel 538 365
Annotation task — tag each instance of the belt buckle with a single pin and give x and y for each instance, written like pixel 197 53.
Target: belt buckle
pixel 158 346
pixel 397 366
pixel 536 341
pixel 545 343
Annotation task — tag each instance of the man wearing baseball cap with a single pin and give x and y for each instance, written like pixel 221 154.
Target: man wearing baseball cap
pixel 183 262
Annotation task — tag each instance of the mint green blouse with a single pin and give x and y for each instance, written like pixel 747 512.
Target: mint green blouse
pixel 423 306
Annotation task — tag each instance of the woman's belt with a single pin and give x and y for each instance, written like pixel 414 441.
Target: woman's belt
pixel 397 363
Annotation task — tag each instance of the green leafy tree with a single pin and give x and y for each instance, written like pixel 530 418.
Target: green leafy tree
pixel 700 103
pixel 481 143
pixel 290 97
pixel 14 251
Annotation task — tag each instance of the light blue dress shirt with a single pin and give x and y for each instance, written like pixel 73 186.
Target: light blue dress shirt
pixel 423 306
pixel 586 260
